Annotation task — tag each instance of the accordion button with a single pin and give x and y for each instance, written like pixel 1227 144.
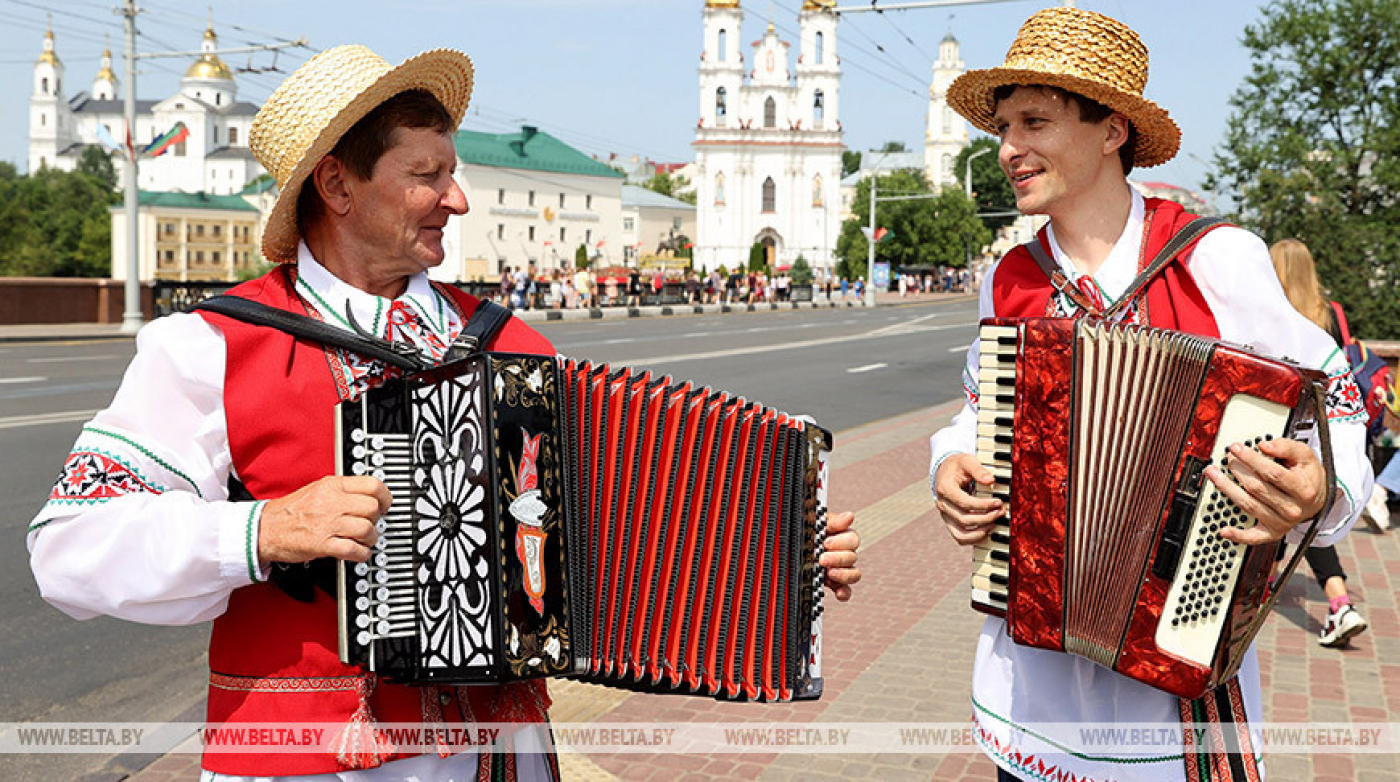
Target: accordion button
pixel 361 568
pixel 363 638
pixel 357 434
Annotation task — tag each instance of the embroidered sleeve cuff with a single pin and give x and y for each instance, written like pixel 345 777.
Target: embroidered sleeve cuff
pixel 238 543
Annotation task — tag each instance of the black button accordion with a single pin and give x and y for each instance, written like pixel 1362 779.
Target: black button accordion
pixel 556 517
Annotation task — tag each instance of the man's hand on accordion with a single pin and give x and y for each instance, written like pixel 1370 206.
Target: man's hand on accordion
pixel 969 518
pixel 1282 485
pixel 839 558
pixel 332 517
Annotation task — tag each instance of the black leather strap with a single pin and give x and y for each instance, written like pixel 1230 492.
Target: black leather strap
pixel 259 314
pixel 1188 234
pixel 485 322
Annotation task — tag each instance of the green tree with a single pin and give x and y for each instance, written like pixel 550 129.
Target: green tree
pixel 662 182
pixel 938 230
pixel 55 224
pixel 991 190
pixel 97 163
pixel 1312 146
pixel 800 272
pixel 893 146
pixel 581 257
pixel 850 163
pixel 758 257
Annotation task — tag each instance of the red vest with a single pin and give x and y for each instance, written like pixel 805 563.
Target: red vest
pixel 1171 301
pixel 274 659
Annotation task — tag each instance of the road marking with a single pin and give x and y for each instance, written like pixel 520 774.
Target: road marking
pixel 58 359
pixel 962 349
pixel 866 368
pixel 810 343
pixel 618 341
pixel 22 379
pixel 47 418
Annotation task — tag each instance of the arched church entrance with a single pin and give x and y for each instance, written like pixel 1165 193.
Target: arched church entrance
pixel 772 242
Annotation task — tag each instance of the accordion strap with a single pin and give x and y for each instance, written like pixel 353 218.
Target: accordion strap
pixel 259 314
pixel 1179 241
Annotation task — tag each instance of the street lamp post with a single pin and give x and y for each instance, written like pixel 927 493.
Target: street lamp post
pixel 967 187
pixel 870 245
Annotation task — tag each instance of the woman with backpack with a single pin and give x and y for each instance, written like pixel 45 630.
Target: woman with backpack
pixel 1297 272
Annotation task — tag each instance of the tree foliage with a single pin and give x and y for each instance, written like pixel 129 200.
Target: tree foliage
pixel 935 231
pixel 662 182
pixel 1312 147
pixel 800 272
pixel 56 223
pixel 990 187
pixel 850 163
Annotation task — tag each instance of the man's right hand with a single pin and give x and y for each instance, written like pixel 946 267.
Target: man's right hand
pixel 332 517
pixel 969 518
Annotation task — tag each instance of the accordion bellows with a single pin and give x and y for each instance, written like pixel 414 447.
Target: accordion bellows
pixel 1098 436
pixel 554 517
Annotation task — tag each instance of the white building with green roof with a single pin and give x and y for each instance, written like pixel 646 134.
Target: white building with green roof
pixel 532 200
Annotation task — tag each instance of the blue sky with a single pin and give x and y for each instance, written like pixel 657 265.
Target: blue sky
pixel 620 75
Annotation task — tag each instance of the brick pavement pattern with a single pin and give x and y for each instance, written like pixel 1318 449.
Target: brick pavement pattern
pixel 902 650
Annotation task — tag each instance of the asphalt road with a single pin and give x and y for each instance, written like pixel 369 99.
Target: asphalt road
pixel 844 367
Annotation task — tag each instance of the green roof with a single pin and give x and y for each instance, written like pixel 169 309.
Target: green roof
pixel 529 149
pixel 196 201
pixel 261 184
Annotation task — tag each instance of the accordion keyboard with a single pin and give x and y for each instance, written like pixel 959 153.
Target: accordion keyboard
pixel 996 398
pixel 384 604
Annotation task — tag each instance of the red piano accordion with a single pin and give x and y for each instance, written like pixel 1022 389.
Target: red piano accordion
pixel 1098 436
pixel 555 517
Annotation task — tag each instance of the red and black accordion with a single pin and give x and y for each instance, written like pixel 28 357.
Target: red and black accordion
pixel 555 517
pixel 1098 436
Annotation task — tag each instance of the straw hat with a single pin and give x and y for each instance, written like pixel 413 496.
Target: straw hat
pixel 305 118
pixel 1086 53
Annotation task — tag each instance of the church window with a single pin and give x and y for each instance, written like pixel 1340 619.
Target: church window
pixel 947 120
pixel 947 165
pixel 232 136
pixel 43 120
pixel 218 99
pixel 723 43
pixel 818 107
pixel 719 189
pixel 44 85
pixel 57 86
pixel 770 113
pixel 770 195
pixel 720 108
pixel 817 199
pixel 820 47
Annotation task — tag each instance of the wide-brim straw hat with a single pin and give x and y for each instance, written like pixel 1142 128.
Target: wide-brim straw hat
pixel 1083 52
pixel 306 116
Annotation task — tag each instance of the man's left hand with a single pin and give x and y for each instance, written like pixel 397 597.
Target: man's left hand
pixel 1282 484
pixel 839 559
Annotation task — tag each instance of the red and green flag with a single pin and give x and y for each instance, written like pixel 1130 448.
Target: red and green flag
pixel 167 140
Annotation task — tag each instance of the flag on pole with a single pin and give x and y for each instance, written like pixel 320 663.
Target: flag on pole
pixel 881 234
pixel 169 139
pixel 104 137
pixel 130 148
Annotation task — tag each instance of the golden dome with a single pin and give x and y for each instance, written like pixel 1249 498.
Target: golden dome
pixel 106 70
pixel 48 55
pixel 818 5
pixel 209 66
pixel 721 3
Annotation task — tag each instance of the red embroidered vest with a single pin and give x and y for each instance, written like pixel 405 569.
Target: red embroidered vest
pixel 274 659
pixel 1171 300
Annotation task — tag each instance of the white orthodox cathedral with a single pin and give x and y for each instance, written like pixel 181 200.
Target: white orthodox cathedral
pixel 213 159
pixel 768 144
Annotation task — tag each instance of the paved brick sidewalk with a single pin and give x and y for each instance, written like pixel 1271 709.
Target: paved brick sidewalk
pixel 902 650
